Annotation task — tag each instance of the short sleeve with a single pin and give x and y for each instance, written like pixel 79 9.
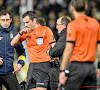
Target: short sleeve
pixel 71 33
pixel 23 37
pixel 50 36
pixel 99 35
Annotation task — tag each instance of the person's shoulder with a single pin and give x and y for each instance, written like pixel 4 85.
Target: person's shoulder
pixel 43 27
pixel 91 19
pixel 13 28
pixel 73 23
pixel 78 21
pixel 94 21
pixel 14 31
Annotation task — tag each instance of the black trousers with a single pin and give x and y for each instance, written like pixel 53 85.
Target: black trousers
pixel 81 74
pixel 54 78
pixel 38 75
pixel 9 81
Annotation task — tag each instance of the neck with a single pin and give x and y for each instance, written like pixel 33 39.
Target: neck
pixel 78 14
pixel 35 26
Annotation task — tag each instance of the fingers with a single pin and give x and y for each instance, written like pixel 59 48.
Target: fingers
pixel 25 30
pixel 98 74
pixel 16 71
pixel 56 59
pixel 17 68
pixel 1 62
pixel 62 78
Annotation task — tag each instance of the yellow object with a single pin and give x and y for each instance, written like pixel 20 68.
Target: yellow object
pixel 22 75
pixel 21 57
pixel 48 51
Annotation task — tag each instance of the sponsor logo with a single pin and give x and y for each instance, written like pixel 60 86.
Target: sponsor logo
pixel 39 41
pixel 69 34
pixel 11 35
pixel 1 37
pixel 26 41
pixel 40 83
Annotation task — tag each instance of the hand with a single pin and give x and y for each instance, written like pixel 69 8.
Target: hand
pixel 56 59
pixel 1 62
pixel 25 30
pixel 62 78
pixel 98 73
pixel 17 68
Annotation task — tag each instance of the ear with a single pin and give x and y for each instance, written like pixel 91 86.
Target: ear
pixel 85 6
pixel 11 20
pixel 72 8
pixel 35 19
pixel 64 25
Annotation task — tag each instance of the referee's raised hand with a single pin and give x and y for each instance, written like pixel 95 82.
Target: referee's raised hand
pixel 25 30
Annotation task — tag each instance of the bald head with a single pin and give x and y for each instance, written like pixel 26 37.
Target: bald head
pixel 65 20
pixel 62 23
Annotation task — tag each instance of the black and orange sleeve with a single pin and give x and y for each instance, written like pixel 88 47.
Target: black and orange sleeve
pixel 24 36
pixel 50 36
pixel 71 33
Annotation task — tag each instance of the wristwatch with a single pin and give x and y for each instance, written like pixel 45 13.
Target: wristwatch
pixel 65 71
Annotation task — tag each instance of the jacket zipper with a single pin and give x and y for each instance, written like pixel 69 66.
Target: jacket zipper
pixel 5 51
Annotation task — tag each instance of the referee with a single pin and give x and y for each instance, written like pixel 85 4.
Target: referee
pixel 83 35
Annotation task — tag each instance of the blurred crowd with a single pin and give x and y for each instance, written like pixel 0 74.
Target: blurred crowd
pixel 50 10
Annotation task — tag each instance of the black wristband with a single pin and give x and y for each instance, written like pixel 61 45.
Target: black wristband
pixel 66 72
pixel 62 70
pixel 20 34
pixel 98 64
